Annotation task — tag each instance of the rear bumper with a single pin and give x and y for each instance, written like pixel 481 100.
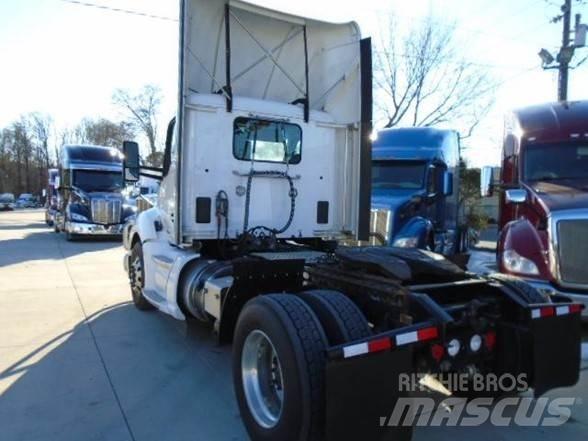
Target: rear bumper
pixel 549 289
pixel 93 229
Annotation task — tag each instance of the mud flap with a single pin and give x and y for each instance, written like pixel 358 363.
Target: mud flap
pixel 556 352
pixel 361 394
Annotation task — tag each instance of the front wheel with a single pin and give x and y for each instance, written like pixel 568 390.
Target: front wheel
pixel 278 369
pixel 137 278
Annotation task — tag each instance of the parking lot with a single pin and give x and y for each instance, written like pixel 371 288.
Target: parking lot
pixel 79 362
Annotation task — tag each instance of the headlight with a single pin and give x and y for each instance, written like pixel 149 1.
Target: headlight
pixel 475 343
pixel 453 347
pixel 516 263
pixel 78 217
pixel 406 242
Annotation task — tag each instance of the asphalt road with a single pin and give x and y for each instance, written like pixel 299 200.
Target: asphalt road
pixel 79 362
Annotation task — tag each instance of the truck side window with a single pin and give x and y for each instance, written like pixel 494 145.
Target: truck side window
pixel 267 141
pixel 169 142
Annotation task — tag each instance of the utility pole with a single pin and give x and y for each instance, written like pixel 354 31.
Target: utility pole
pixel 563 57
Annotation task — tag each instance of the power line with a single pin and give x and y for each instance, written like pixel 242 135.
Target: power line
pixel 125 11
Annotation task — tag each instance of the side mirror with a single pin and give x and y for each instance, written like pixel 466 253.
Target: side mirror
pixel 131 161
pixel 447 183
pixel 486 182
pixel 515 196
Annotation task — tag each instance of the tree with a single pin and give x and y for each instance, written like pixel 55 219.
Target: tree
pixel 143 109
pixel 422 80
pixel 104 132
pixel 470 197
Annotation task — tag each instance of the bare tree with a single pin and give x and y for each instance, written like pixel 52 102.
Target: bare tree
pixel 143 109
pixel 422 80
pixel 103 132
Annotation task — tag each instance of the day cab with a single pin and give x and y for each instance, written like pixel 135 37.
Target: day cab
pixel 415 179
pixel 543 219
pixel 90 201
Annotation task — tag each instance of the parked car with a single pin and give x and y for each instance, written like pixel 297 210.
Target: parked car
pixel 26 200
pixel 7 202
pixel 543 201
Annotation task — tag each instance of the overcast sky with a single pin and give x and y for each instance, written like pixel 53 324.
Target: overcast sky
pixel 66 59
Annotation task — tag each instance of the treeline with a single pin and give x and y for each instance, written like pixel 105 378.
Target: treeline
pixel 31 145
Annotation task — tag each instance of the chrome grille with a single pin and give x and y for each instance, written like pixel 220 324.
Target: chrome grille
pixel 380 226
pixel 573 251
pixel 105 211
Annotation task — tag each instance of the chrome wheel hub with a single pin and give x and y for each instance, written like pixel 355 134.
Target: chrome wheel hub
pixel 262 379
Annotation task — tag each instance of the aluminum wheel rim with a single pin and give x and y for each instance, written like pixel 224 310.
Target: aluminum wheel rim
pixel 137 273
pixel 262 379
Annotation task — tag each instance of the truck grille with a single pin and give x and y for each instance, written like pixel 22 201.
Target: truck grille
pixel 573 251
pixel 380 226
pixel 106 211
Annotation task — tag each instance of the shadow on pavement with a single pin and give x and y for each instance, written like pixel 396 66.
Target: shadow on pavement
pixel 122 375
pixel 46 245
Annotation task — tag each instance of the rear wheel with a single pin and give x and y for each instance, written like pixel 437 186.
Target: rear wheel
pixel 278 369
pixel 341 319
pixel 137 278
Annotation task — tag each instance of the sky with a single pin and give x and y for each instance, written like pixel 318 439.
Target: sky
pixel 65 59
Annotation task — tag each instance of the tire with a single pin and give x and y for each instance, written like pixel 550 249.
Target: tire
pixel 70 237
pixel 137 278
pixel 298 342
pixel 526 291
pixel 341 319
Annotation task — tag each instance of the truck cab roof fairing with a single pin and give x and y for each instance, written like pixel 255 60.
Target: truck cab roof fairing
pixel 268 56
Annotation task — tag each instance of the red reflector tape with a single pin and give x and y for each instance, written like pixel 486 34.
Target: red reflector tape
pixel 415 336
pixel 380 345
pixel 428 334
pixel 550 311
pixel 576 307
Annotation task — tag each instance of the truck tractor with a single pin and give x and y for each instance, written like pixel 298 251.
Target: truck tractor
pixel 415 190
pixel 543 199
pixel 267 166
pixel 90 185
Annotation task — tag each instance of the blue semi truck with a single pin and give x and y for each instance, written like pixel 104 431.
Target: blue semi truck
pixel 415 182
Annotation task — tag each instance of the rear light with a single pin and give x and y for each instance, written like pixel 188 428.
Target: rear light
pixel 490 340
pixel 453 347
pixel 475 343
pixel 437 352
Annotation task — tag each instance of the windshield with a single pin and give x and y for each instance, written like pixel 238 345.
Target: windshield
pixel 408 175
pixel 94 180
pixel 6 198
pixel 552 162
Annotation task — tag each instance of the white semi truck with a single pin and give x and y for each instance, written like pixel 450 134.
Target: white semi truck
pixel 267 166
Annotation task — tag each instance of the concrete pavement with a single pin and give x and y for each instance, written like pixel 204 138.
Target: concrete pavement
pixel 79 362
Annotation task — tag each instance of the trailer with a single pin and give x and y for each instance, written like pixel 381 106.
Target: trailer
pixel 266 170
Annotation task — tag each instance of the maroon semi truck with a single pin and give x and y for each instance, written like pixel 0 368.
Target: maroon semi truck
pixel 543 202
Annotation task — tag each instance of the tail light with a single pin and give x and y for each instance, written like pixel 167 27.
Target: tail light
pixel 490 340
